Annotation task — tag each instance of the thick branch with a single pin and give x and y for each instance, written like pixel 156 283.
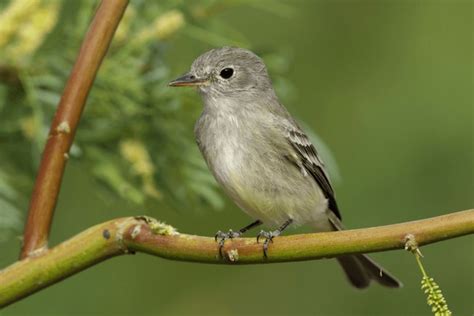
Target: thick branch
pixel 63 128
pixel 129 235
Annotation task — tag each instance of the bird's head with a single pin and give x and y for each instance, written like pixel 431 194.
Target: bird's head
pixel 227 71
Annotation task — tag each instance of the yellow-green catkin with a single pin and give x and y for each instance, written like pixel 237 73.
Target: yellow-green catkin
pixel 24 25
pixel 137 155
pixel 435 298
pixel 163 27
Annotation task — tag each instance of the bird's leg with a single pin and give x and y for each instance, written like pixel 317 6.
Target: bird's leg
pixel 271 234
pixel 221 237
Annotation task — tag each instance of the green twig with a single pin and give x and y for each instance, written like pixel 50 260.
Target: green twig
pixel 143 234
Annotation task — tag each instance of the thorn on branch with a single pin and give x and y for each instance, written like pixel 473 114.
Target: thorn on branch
pixel 106 234
pixel 412 245
pixel 63 127
pixel 136 231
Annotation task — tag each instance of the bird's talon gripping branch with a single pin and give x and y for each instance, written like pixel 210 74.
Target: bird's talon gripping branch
pixel 268 236
pixel 220 237
pixel 271 234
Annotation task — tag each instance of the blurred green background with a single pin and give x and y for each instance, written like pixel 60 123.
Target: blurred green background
pixel 386 84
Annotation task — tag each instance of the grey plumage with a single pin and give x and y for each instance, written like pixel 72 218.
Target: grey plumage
pixel 260 156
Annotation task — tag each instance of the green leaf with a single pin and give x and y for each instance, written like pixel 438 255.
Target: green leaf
pixel 112 177
pixel 10 219
pixel 209 194
pixel 6 190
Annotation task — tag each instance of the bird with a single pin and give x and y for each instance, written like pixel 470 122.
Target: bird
pixel 262 158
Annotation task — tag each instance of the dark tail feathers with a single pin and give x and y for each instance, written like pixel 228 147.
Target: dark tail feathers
pixel 360 270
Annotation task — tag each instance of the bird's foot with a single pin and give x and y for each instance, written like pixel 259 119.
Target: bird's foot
pixel 268 236
pixel 221 237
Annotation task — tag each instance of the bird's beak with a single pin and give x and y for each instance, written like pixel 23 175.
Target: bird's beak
pixel 188 80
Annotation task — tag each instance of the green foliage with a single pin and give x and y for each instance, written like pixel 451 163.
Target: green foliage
pixel 135 137
pixel 9 214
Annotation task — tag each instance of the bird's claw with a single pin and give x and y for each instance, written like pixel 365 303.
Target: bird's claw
pixel 268 236
pixel 220 237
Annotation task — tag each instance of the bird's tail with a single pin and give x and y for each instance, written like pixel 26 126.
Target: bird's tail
pixel 360 269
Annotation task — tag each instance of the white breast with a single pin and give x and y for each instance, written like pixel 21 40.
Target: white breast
pixel 219 138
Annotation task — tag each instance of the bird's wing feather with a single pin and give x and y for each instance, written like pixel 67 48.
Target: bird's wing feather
pixel 311 161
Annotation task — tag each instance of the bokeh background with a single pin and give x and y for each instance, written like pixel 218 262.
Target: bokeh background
pixel 386 85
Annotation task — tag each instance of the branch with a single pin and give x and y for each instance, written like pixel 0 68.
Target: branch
pixel 63 128
pixel 141 234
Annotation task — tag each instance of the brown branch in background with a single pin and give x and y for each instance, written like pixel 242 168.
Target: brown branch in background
pixel 63 127
pixel 130 235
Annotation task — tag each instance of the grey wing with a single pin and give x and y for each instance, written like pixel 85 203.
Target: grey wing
pixel 311 161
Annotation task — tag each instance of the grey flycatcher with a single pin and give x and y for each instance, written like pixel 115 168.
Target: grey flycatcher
pixel 262 158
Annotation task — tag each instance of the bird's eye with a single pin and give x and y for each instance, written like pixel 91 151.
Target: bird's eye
pixel 226 73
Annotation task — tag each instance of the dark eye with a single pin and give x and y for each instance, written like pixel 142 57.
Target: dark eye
pixel 226 73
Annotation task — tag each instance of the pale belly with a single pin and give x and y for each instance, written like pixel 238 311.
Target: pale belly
pixel 266 186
